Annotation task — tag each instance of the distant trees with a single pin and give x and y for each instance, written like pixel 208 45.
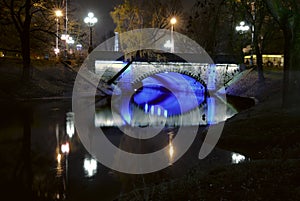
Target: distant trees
pixel 137 14
pixel 287 15
pixel 206 26
pixel 29 26
pixel 20 14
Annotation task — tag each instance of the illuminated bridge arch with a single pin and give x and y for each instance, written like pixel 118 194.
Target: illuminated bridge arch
pixel 211 76
pixel 194 75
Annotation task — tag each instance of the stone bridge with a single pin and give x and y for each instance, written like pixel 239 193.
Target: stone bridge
pixel 211 76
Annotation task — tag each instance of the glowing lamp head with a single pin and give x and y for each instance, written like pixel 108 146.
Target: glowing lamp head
pixel 173 20
pixel 91 15
pixel 58 13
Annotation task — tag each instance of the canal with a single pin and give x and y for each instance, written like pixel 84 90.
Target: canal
pixel 43 157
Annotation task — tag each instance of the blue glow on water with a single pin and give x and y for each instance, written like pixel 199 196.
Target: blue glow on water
pixel 158 91
pixel 166 113
pixel 146 107
pixel 158 111
pixel 210 110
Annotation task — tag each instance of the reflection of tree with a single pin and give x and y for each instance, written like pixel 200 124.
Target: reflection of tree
pixel 30 174
pixel 23 176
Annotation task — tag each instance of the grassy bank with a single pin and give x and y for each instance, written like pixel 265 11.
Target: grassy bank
pixel 48 79
pixel 265 133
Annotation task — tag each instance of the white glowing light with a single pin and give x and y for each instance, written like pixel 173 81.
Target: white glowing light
pixel 65 148
pixel 90 166
pixel 64 37
pixel 90 20
pixel 56 50
pixel 70 128
pixel 242 27
pixel 237 158
pixel 168 44
pixel 173 20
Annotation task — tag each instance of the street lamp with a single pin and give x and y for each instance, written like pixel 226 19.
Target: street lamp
pixel 173 22
pixel 65 36
pixel 58 14
pixel 242 28
pixel 90 20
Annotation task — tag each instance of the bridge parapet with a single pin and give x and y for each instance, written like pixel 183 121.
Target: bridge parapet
pixel 213 76
pixel 208 74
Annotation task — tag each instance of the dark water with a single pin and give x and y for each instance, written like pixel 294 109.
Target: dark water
pixel 42 157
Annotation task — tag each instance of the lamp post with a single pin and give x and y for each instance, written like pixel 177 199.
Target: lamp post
pixel 252 29
pixel 90 20
pixel 65 36
pixel 173 22
pixel 242 28
pixel 58 14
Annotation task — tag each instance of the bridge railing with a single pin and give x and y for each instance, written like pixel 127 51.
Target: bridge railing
pixel 212 75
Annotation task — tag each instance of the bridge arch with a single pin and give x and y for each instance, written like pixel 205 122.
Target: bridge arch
pixel 174 70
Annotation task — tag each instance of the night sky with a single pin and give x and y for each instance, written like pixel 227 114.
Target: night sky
pixel 101 8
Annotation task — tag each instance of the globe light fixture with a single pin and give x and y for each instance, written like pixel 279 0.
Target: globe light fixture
pixel 242 28
pixel 90 20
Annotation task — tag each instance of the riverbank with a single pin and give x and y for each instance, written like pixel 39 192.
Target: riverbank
pixel 48 79
pixel 267 134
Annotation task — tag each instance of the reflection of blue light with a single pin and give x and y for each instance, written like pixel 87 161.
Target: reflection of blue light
pixel 158 90
pixel 166 113
pixel 211 77
pixel 158 111
pixel 128 69
pixel 210 110
pixel 152 109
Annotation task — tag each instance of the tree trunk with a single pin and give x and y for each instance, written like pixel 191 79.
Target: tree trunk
pixel 259 63
pixel 291 87
pixel 26 58
pixel 25 42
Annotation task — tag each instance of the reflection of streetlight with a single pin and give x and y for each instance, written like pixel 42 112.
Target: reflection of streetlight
pixel 171 148
pixel 90 20
pixel 65 148
pixel 70 129
pixel 237 158
pixel 242 28
pixel 173 22
pixel 90 166
pixel 58 14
